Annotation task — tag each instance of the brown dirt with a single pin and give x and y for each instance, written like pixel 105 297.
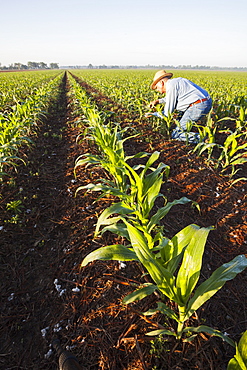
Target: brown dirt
pixel 55 232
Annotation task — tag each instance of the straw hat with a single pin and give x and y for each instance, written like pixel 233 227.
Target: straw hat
pixel 158 76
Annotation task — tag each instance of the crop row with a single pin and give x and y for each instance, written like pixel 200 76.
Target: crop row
pixel 174 265
pixel 18 122
pixel 16 87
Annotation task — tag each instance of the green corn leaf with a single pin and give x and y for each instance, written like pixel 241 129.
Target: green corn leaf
pixel 237 180
pixel 150 197
pixel 216 281
pixel 236 363
pixel 173 252
pixel 105 189
pixel 162 212
pixel 238 155
pixel 116 252
pixel 242 147
pixel 154 156
pixel 210 331
pixel 117 208
pixel 239 361
pixel 242 346
pixel 164 309
pixel 137 155
pixel 88 159
pixel 238 161
pixel 139 294
pixel 162 277
pixel 161 332
pixel 150 179
pixel 229 140
pixel 117 228
pixel 207 146
pixel 190 269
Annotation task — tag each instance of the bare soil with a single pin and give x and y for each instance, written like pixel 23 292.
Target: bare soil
pixel 40 256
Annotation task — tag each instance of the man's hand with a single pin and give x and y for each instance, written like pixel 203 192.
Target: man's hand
pixel 153 103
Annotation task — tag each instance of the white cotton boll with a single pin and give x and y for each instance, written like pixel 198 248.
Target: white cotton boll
pixel 62 292
pixel 58 288
pixel 44 331
pixel 57 328
pixel 76 290
pixel 48 354
pixel 11 297
pixel 122 265
pixel 70 348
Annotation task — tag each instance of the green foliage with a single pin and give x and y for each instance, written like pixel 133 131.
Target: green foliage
pixel 18 122
pixel 175 272
pixel 14 206
pixel 239 361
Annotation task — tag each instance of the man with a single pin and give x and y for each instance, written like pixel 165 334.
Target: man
pixel 189 99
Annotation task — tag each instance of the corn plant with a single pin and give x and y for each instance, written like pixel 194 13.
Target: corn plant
pixel 137 204
pixel 232 153
pixel 14 206
pixel 240 121
pixel 175 271
pixel 112 157
pixel 239 361
pixel 137 193
pixel 207 130
pixel 164 124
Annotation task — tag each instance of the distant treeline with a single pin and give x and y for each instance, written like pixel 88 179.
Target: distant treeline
pixel 30 65
pixel 149 66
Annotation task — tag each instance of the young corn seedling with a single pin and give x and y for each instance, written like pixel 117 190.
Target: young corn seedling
pixel 239 361
pixel 166 123
pixel 136 204
pixel 240 121
pixel 175 271
pixel 207 137
pixel 232 154
pixel 112 156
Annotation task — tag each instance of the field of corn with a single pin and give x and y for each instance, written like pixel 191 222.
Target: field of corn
pixel 126 245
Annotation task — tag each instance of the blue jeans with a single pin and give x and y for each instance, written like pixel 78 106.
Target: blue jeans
pixel 192 114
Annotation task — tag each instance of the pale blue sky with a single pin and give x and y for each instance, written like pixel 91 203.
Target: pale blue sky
pixel 124 32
